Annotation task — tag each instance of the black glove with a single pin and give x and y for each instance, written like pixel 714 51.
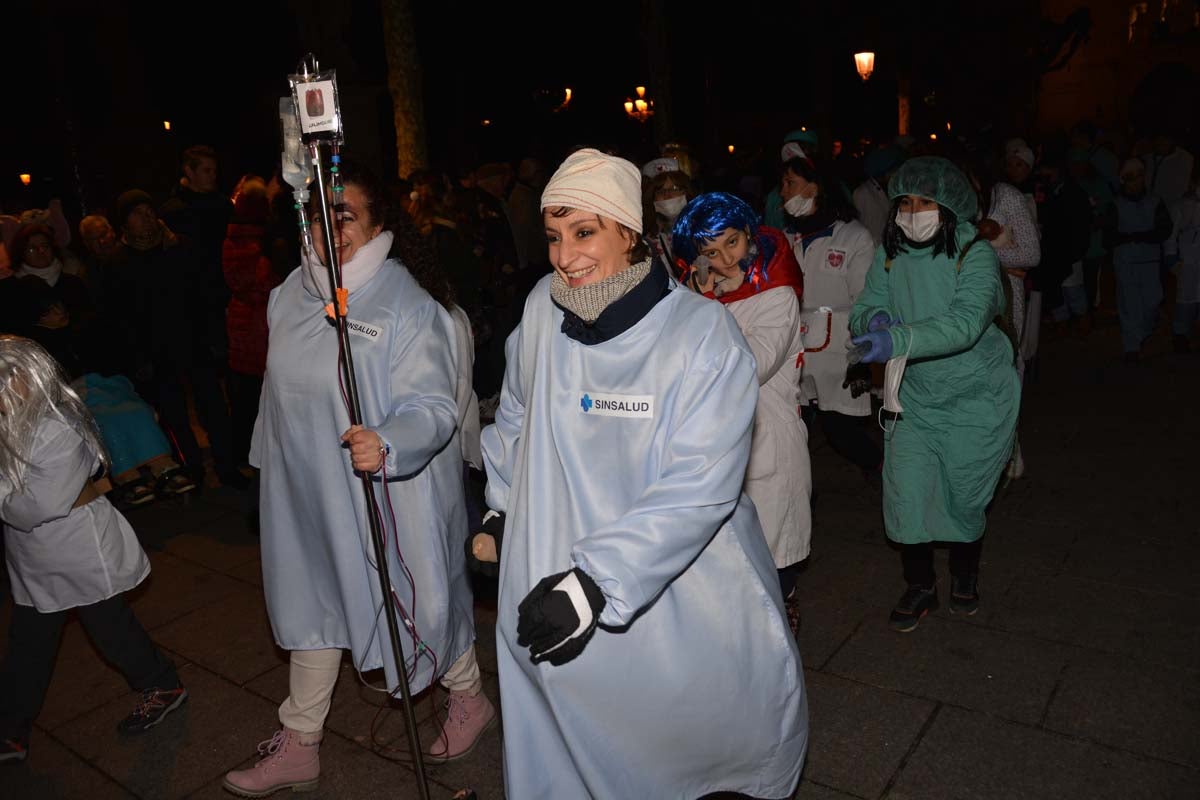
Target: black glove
pixel 493 525
pixel 556 619
pixel 858 379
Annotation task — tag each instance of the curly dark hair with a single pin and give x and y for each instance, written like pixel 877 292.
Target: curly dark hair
pixel 367 182
pixel 894 240
pixel 416 253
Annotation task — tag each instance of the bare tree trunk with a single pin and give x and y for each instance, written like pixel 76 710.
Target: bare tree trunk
pixel 654 25
pixel 404 82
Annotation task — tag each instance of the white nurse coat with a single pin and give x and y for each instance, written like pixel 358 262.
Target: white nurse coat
pixel 835 266
pixel 321 588
pixel 625 458
pixel 779 476
pixel 61 557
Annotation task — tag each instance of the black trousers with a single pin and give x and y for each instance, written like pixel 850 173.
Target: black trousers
pixel 244 391
pixel 848 437
pixel 33 639
pixel 171 394
pixel 787 578
pixel 918 561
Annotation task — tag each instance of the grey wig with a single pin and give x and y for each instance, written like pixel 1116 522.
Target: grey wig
pixel 32 388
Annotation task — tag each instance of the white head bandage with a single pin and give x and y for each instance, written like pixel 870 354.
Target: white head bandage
pixel 593 181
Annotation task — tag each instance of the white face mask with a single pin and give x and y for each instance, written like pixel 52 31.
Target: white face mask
pixel 893 374
pixel 799 205
pixel 919 226
pixel 670 208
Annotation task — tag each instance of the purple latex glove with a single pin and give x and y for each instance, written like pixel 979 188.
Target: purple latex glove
pixel 881 321
pixel 880 343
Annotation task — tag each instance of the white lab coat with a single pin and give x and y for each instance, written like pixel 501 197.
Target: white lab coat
pixel 61 557
pixel 464 390
pixel 835 268
pixel 626 459
pixel 779 476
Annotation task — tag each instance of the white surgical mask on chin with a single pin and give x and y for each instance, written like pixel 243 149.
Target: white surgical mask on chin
pixel 893 375
pixel 799 206
pixel 919 226
pixel 670 208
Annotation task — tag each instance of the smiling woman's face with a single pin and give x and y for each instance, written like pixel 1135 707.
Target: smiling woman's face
pixel 356 226
pixel 584 247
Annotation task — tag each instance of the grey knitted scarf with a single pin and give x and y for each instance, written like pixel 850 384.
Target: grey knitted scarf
pixel 588 302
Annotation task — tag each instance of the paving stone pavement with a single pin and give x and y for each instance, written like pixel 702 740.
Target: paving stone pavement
pixel 1079 677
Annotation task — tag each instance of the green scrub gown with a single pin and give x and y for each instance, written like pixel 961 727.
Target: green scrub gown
pixel 960 392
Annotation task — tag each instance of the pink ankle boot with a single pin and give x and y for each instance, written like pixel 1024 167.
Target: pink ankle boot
pixel 467 717
pixel 291 762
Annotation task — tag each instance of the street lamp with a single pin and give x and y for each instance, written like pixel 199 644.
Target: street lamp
pixel 640 109
pixel 865 64
pixel 166 124
pixel 25 178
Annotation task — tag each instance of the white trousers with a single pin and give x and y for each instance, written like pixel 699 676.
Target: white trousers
pixel 314 674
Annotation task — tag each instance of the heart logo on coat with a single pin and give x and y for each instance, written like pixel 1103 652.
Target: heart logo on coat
pixel 836 258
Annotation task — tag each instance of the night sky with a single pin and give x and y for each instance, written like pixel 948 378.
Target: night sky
pixel 94 82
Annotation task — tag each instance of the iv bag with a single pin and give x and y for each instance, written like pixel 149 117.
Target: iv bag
pixel 316 102
pixel 295 161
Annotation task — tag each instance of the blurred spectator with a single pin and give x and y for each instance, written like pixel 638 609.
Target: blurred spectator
pixel 870 198
pixel 160 333
pixel 1100 197
pixel 525 216
pixel 664 194
pixel 246 263
pixel 1168 169
pixel 65 297
pixel 99 242
pixel 1136 229
pixel 1183 254
pixel 199 213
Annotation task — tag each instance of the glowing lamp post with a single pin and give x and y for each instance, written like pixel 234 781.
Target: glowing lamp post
pixel 865 64
pixel 640 109
pixel 25 178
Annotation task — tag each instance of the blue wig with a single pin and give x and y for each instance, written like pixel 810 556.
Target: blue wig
pixel 708 216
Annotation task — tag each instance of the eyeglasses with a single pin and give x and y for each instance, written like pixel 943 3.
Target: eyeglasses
pixel 38 248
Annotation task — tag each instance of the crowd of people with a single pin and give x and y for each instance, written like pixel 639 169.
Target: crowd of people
pixel 595 384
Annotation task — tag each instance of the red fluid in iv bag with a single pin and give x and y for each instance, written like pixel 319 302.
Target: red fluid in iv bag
pixel 314 102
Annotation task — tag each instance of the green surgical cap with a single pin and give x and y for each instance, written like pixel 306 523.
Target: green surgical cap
pixel 804 137
pixel 938 180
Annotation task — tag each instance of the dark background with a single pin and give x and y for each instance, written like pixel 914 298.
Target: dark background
pixel 93 82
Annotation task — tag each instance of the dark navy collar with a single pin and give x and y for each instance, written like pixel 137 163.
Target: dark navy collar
pixel 623 313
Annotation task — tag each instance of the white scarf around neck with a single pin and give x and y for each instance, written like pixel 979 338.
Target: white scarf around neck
pixel 50 274
pixel 367 260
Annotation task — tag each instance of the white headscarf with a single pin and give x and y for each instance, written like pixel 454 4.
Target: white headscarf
pixel 593 181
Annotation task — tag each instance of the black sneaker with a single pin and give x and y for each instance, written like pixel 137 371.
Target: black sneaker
pixel 916 602
pixel 964 594
pixel 151 709
pixel 14 750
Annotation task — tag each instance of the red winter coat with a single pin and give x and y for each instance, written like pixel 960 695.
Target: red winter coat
pixel 250 278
